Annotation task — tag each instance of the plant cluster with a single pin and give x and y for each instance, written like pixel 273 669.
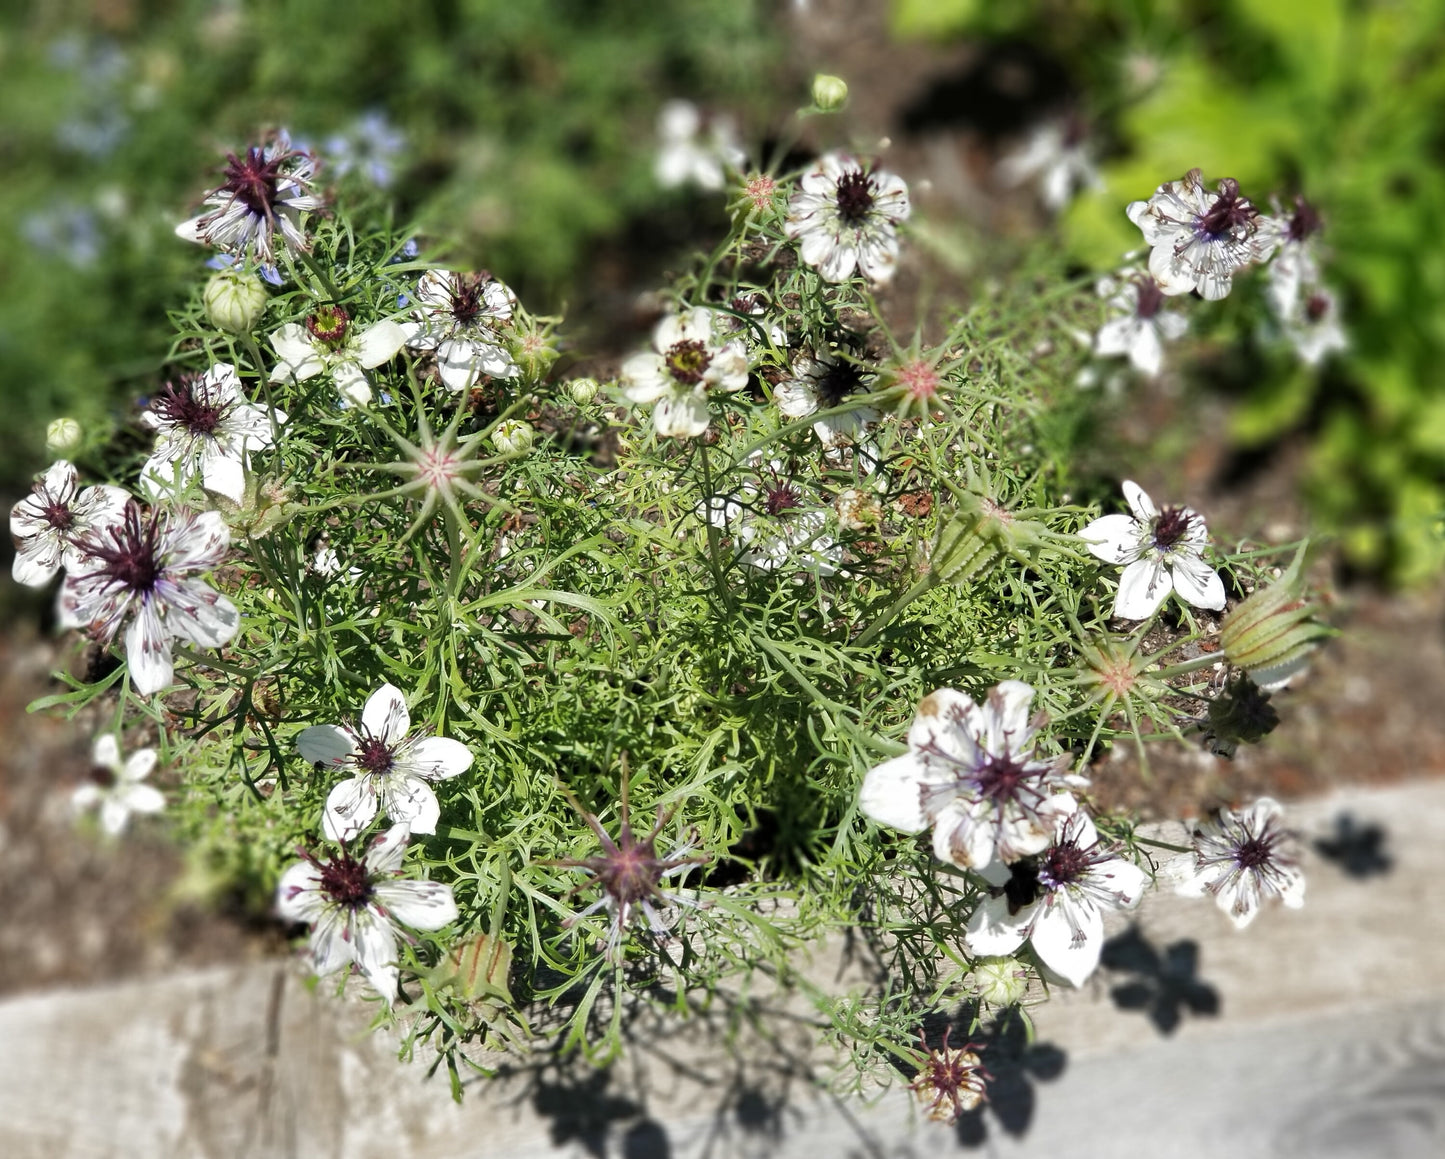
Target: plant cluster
pixel 540 699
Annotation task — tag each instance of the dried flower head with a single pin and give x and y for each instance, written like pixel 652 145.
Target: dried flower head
pixel 951 1080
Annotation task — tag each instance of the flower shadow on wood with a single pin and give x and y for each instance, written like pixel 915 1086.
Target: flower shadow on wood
pixel 1016 1064
pixel 1357 848
pixel 1166 980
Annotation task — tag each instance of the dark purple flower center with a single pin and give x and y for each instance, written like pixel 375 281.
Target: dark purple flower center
pixel 1171 526
pixel 328 325
pixel 374 756
pixel 1305 221
pixel 130 552
pixel 180 405
pixel 1255 852
pixel 687 361
pixel 1000 777
pixel 253 179
pixel 58 514
pixel 1316 307
pixel 1228 213
pixel 781 497
pixel 856 196
pixel 630 871
pixel 102 776
pixel 838 383
pixel 468 292
pixel 1151 298
pixel 1063 864
pixel 345 881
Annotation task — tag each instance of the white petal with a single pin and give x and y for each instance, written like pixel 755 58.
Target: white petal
pixel 409 801
pixel 1197 583
pixel 1053 938
pixel 892 794
pixel 681 416
pixel 946 725
pixel 1144 585
pixel 1139 502
pixel 1113 538
pixel 332 941
pixel 138 765
pixel 1147 352
pixel 964 834
pixel 113 816
pixel 385 716
pixel 379 343
pixel 224 475
pixel 350 806
pixel 993 931
pixel 297 356
pixel 148 650
pixel 141 799
pixel 375 952
pixel 197 613
pixel 1007 717
pixel 351 384
pixel 644 378
pixel 435 758
pixel 386 851
pixel 298 895
pixel 422 905
pixel 326 744
pixel 106 753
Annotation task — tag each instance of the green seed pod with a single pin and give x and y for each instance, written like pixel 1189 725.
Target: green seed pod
pixel 830 93
pixel 234 301
pixel 1271 633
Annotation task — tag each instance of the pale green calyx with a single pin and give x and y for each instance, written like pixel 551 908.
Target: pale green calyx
pixel 1271 632
pixel 830 93
pixel 234 301
pixel 63 437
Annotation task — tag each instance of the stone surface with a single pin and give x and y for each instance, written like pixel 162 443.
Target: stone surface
pixel 1318 1033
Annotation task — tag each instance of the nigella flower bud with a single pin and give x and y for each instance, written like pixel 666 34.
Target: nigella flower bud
pixel 582 390
pixel 980 533
pixel 830 93
pixel 1274 630
pixel 63 437
pixel 513 437
pixel 999 981
pixel 234 301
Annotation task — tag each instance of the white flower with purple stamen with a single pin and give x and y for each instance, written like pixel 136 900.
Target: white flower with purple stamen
pixel 969 772
pixel 47 523
pixel 1314 329
pixel 264 192
pixel 462 318
pixel 1200 238
pixel 1160 551
pixel 204 427
pixel 1141 326
pixel 1058 158
pixel 844 215
pixel 776 523
pixel 115 785
pixel 142 569
pixel 686 154
pixel 689 362
pixel 1295 265
pixel 392 769
pixel 825 382
pixel 355 907
pixel 1056 901
pixel 1241 859
pixel 328 344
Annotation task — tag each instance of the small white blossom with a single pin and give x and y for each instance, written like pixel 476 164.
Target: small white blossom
pixel 327 344
pixel 1141 326
pixel 462 318
pixel 970 773
pixel 355 907
pixel 1295 264
pixel 47 523
pixel 141 568
pixel 845 218
pixel 115 785
pixel 204 427
pixel 1160 551
pixel 1200 238
pixel 824 382
pixel 1241 859
pixel 689 362
pixel 686 154
pixel 1314 329
pixel 1057 157
pixel 1056 902
pixel 775 524
pixel 264 191
pixel 392 769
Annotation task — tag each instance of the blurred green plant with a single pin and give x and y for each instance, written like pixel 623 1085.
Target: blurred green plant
pixel 1342 101
pixel 523 141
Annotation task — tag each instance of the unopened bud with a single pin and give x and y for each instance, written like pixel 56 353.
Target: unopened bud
pixel 234 301
pixel 582 390
pixel 513 437
pixel 63 436
pixel 533 352
pixel 1271 633
pixel 999 981
pixel 980 533
pixel 830 93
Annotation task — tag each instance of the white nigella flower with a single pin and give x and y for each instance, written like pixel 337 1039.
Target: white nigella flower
pixel 1141 326
pixel 1057 156
pixel 1241 859
pixel 1160 551
pixel 689 362
pixel 141 569
pixel 370 147
pixel 115 785
pixel 1295 264
pixel 1200 238
pixel 845 217
pixel 1056 901
pixel 686 155
pixel 204 427
pixel 264 191
pixel 1314 329
pixel 354 908
pixel 462 317
pixel 327 344
pixel 970 774
pixel 392 769
pixel 775 524
pixel 824 382
pixel 56 513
